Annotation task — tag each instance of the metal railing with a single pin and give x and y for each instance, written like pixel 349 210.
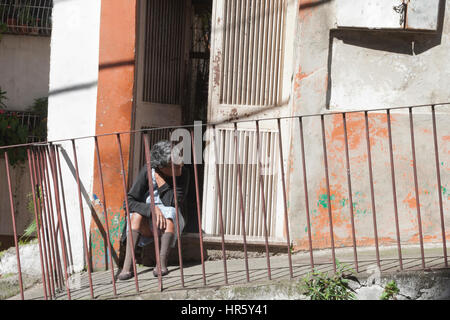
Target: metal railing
pixel 27 17
pixel 50 210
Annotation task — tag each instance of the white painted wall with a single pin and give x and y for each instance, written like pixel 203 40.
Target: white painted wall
pixel 73 100
pixel 24 69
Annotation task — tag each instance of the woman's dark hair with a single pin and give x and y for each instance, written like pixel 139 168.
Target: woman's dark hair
pixel 160 154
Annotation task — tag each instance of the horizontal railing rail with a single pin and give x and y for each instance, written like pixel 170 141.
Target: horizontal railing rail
pixel 297 139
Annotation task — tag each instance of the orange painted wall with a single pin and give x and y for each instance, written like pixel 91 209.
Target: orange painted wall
pixel 114 114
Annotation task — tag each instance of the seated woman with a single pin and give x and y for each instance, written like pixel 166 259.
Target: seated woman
pixel 139 200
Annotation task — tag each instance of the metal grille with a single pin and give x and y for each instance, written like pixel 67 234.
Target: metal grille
pixel 28 17
pixel 30 121
pixel 252 42
pixel 163 58
pixel 250 169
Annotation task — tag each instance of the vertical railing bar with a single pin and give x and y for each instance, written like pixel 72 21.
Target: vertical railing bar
pixel 41 237
pixel 105 210
pixel 238 163
pixel 83 225
pixel 305 185
pixel 52 159
pixel 394 190
pixel 46 229
pixel 11 202
pixel 219 193
pixel 372 193
pixel 438 177
pixel 416 187
pixel 177 211
pixel 64 206
pixel 197 197
pixel 286 221
pixel 350 196
pixel 50 220
pixel 153 209
pixel 261 184
pixel 330 214
pixel 127 209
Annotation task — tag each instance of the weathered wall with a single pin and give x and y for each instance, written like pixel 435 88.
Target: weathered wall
pixel 356 70
pixel 114 114
pixel 72 102
pixel 24 69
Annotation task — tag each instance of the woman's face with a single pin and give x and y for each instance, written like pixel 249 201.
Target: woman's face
pixel 177 169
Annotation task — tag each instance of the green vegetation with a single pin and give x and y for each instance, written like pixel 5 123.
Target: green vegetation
pixel 390 291
pixel 321 286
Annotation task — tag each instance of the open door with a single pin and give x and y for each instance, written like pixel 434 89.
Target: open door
pixel 162 57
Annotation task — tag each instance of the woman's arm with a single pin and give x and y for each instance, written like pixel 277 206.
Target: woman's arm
pixel 137 194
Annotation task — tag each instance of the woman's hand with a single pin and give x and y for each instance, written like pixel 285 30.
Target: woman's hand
pixel 161 222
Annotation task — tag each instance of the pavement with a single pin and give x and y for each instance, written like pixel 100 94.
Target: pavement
pixel 192 283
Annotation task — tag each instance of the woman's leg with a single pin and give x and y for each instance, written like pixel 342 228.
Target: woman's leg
pixel 166 242
pixel 139 226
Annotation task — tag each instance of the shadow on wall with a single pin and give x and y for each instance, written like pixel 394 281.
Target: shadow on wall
pixel 403 42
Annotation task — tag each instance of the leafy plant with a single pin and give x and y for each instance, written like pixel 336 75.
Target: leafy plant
pixel 13 132
pixel 321 286
pixel 390 291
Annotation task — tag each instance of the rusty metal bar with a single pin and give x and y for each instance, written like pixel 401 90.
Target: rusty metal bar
pixel 219 195
pixel 180 258
pixel 372 193
pixel 305 186
pixel 241 198
pixel 105 210
pixel 51 219
pixel 261 185
pixel 83 224
pixel 58 210
pixel 50 229
pixel 11 203
pixel 330 215
pixel 64 205
pixel 286 221
pixel 438 177
pixel 152 208
pixel 127 208
pixel 46 229
pixel 197 197
pixel 40 226
pixel 44 281
pixel 416 186
pixel 350 196
pixel 394 189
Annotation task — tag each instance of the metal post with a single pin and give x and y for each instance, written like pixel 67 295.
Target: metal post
pixel 83 224
pixel 438 177
pixel 105 213
pixel 330 215
pixel 350 196
pixel 416 186
pixel 125 194
pixel 305 186
pixel 286 221
pixel 219 198
pixel 394 190
pixel 261 184
pixel 37 223
pixel 372 195
pixel 197 197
